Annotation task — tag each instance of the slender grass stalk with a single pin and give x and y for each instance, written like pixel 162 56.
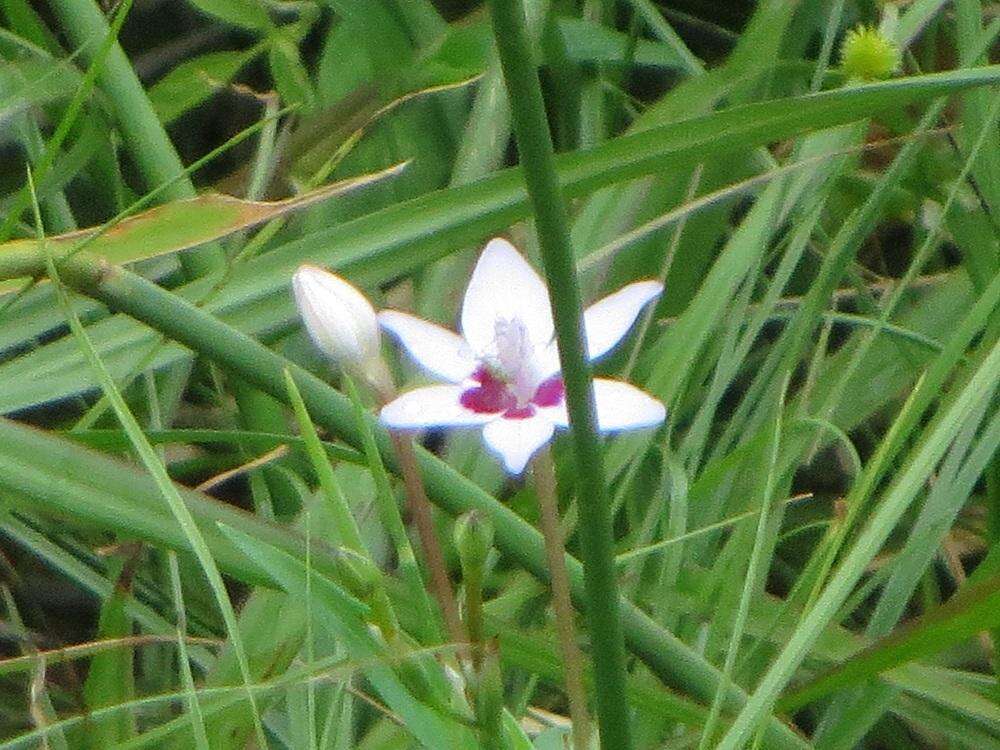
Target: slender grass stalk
pixel 665 266
pixel 310 647
pixel 348 534
pixel 756 566
pixel 423 518
pixel 545 487
pixel 183 659
pixel 597 541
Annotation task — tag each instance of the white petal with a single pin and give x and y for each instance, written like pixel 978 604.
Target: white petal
pixel 438 350
pixel 340 319
pixel 546 360
pixel 609 319
pixel 621 406
pixel 504 286
pixel 515 441
pixel 605 323
pixel 555 414
pixel 433 406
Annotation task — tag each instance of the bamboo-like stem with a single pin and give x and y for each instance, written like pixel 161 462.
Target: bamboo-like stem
pixel 670 659
pixel 597 541
pixel 420 511
pixel 545 487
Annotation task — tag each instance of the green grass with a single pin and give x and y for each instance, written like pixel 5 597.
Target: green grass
pixel 806 553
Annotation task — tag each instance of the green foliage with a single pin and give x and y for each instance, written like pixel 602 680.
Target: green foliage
pixel 206 543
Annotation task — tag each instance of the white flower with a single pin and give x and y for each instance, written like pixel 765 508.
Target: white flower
pixel 503 371
pixel 341 322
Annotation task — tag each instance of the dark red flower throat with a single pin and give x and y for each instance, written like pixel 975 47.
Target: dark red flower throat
pixel 491 395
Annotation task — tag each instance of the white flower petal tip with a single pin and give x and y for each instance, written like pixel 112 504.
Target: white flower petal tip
pixel 621 406
pixel 608 320
pixel 436 349
pixel 515 441
pixel 433 406
pixel 339 319
pixel 504 287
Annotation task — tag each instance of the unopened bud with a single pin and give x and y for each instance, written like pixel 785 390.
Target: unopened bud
pixel 473 539
pixel 341 322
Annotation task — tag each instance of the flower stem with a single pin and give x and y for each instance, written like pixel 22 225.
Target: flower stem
pixel 538 163
pixel 420 510
pixel 545 488
pixel 392 521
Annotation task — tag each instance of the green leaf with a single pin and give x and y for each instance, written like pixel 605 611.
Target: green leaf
pixel 110 679
pixel 247 14
pixel 971 610
pixel 176 226
pixel 290 76
pixel 195 80
pixel 590 42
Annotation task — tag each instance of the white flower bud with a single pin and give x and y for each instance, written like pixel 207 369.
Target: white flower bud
pixel 340 321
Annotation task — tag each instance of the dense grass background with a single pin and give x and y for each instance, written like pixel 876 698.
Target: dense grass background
pixel 808 548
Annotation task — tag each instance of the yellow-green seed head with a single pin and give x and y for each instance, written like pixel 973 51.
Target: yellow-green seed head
pixel 867 55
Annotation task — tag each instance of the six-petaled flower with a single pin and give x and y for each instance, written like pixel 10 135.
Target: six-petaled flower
pixel 502 373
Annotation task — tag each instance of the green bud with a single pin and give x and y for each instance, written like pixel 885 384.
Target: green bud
pixel 868 55
pixel 357 573
pixel 473 539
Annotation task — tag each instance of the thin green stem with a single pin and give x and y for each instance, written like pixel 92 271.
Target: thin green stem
pixel 347 533
pixel 183 660
pixel 756 568
pixel 538 163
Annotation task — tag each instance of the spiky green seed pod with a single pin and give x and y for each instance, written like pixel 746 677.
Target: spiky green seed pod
pixel 867 55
